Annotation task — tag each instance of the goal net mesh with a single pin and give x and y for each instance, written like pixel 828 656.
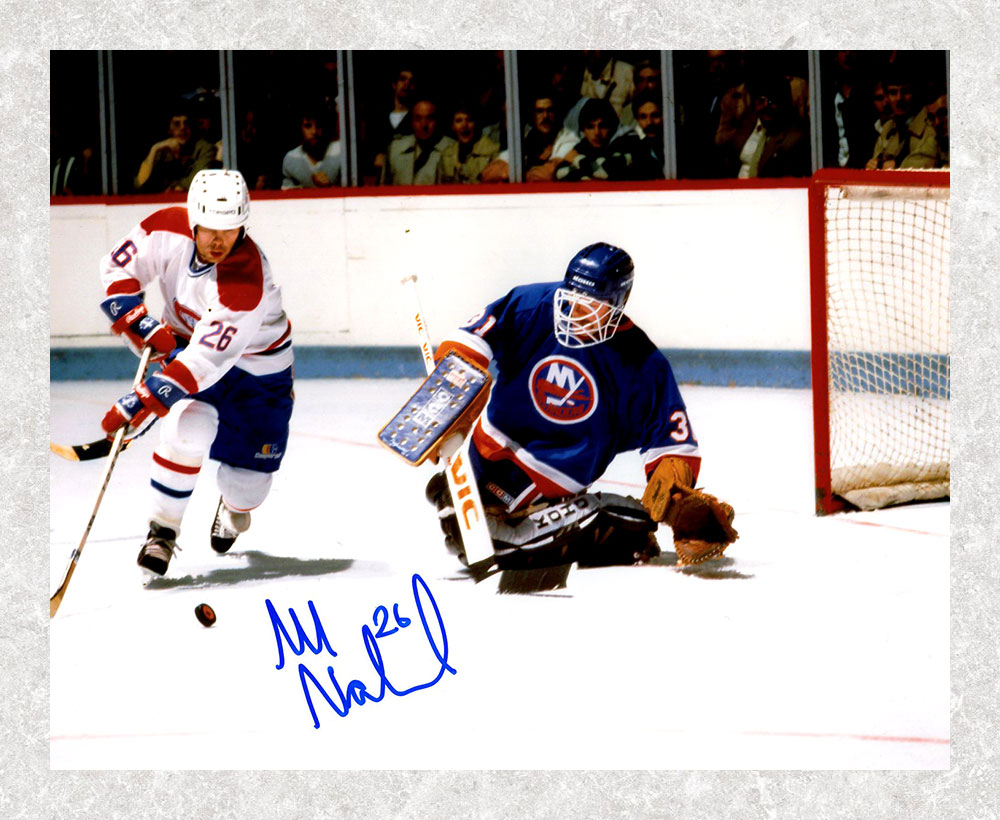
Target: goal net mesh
pixel 887 251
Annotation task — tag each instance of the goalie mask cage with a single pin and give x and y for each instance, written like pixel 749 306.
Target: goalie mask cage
pixel 879 261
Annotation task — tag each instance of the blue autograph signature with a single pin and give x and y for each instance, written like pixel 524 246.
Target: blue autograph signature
pixel 356 692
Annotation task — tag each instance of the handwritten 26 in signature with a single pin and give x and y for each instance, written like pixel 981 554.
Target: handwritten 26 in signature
pixel 356 692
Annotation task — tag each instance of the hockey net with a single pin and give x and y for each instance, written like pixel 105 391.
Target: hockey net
pixel 879 245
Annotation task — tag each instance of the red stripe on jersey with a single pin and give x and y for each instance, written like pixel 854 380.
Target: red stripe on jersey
pixel 178 372
pixel 240 277
pixel 492 450
pixel 177 468
pixel 463 350
pixel 694 462
pixel 124 286
pixel 285 335
pixel 174 220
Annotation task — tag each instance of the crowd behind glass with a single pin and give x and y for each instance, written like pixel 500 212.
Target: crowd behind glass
pixel 146 122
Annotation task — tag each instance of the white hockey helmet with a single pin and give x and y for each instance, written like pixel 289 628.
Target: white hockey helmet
pixel 218 200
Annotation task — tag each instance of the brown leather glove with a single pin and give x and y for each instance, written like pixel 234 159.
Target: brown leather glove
pixel 701 523
pixel 703 526
pixel 669 474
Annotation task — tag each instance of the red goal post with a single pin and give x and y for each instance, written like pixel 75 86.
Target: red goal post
pixel 879 244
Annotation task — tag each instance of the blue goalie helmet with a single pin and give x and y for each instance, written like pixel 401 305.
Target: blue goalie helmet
pixel 591 301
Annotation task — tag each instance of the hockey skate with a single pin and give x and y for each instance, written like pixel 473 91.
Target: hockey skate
pixel 227 526
pixel 159 548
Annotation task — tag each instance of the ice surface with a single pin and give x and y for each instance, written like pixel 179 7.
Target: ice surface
pixel 815 643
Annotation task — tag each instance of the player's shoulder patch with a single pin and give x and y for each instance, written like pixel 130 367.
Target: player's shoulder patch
pixel 240 277
pixel 172 220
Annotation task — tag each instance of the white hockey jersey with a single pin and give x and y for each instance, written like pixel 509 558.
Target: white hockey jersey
pixel 230 313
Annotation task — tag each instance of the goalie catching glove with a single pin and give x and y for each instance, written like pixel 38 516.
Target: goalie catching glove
pixel 702 525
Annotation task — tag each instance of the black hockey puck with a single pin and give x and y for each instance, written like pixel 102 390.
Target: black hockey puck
pixel 205 614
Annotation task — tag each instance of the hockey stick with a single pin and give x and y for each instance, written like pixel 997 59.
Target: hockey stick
pixel 464 492
pixel 95 449
pixel 116 447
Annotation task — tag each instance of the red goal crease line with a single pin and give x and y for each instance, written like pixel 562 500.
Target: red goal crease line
pixel 940 741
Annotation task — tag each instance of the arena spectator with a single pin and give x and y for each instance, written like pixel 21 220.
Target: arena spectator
pixel 638 154
pixel 560 77
pixel 714 116
pixel 413 159
pixel 737 121
pixel 464 158
pixel 880 102
pixel 204 109
pixel 539 139
pixel 172 163
pixel 537 160
pixel 607 78
pixel 598 122
pixel 779 144
pixel 604 78
pixel 937 115
pixel 908 139
pixel 253 155
pixel 76 166
pixel 315 163
pixel 647 83
pixel 847 113
pixel 397 121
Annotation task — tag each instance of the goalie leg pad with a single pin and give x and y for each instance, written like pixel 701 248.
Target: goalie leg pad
pixel 626 534
pixel 447 403
pixel 592 529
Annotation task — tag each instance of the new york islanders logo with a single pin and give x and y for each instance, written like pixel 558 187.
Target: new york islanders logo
pixel 562 390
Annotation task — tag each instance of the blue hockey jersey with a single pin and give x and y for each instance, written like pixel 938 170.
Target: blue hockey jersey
pixel 558 416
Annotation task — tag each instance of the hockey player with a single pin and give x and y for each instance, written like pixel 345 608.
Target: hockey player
pixel 225 390
pixel 577 383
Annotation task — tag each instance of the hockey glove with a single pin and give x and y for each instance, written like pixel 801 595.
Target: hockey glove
pixel 669 474
pixel 131 321
pixel 154 396
pixel 702 525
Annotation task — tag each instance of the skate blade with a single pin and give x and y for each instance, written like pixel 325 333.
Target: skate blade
pixel 147 575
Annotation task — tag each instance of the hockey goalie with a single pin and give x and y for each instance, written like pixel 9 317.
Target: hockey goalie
pixel 576 384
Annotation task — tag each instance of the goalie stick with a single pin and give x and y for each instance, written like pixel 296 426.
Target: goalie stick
pixel 116 447
pixel 461 483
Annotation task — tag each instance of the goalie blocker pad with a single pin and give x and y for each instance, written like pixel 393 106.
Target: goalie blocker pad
pixel 454 391
pixel 591 529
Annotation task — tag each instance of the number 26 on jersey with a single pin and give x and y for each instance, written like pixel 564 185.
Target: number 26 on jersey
pixel 219 337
